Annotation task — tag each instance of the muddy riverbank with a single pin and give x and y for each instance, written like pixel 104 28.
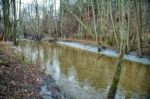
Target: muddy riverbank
pixel 21 79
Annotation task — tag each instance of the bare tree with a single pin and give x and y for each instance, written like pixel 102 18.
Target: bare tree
pixel 14 23
pixel 139 26
pixel 123 34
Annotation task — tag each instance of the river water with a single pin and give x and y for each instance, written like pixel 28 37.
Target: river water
pixel 82 74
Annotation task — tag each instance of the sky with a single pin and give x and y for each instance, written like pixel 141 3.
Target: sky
pixel 41 1
pixel 26 1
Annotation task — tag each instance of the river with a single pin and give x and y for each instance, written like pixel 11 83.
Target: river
pixel 82 74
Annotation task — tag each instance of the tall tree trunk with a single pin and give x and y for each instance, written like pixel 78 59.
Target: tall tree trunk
pixel 128 36
pixel 55 12
pixel 61 18
pixel 19 24
pixel 37 32
pixel 5 7
pixel 94 20
pixel 123 35
pixel 15 22
pixel 139 26
pixel 115 33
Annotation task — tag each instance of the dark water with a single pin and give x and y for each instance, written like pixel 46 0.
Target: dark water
pixel 84 75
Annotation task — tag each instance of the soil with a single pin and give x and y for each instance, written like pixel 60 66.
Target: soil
pixel 19 79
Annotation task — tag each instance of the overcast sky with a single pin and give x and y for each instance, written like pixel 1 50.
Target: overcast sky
pixel 26 1
pixel 41 1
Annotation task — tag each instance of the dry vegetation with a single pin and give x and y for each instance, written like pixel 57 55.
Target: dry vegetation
pixel 17 78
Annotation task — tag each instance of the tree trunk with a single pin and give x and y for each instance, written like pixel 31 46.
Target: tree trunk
pixel 123 35
pixel 5 7
pixel 115 33
pixel 128 36
pixel 15 23
pixel 94 20
pixel 139 26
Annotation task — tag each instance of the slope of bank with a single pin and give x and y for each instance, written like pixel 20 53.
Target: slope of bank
pixel 21 79
pixel 132 56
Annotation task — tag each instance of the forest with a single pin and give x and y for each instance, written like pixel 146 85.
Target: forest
pixel 118 28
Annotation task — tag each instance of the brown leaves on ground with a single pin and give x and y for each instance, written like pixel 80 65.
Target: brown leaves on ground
pixel 17 79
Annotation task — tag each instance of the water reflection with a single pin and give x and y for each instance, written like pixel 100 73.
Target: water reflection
pixel 85 75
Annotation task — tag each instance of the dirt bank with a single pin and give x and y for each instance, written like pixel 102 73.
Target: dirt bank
pixel 20 79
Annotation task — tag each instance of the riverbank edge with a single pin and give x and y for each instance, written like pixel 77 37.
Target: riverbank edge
pixel 132 56
pixel 22 79
pixel 92 47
